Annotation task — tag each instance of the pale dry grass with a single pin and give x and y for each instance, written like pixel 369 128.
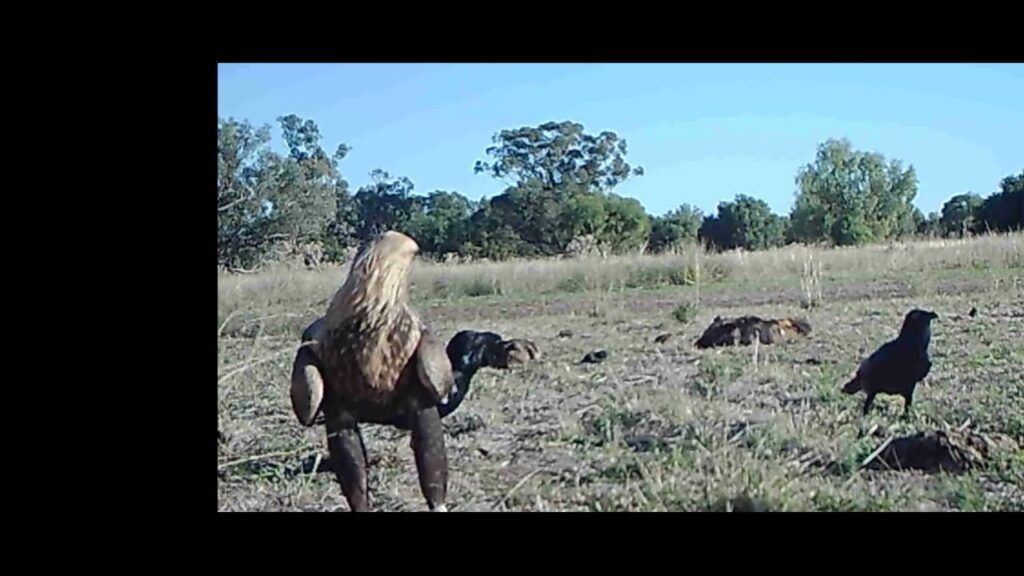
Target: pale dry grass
pixel 785 266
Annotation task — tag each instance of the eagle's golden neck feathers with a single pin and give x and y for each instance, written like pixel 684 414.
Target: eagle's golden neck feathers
pixel 376 288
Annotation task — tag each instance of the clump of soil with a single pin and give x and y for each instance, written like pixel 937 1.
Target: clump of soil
pixel 934 451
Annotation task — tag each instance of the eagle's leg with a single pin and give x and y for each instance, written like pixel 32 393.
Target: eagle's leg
pixel 431 458
pixel 348 456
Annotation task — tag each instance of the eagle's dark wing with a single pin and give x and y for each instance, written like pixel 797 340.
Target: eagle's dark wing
pixel 433 366
pixel 307 388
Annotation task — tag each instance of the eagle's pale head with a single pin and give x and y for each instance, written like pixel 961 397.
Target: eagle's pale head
pixel 378 278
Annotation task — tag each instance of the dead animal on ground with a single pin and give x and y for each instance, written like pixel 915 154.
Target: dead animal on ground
pixel 515 352
pixel 745 329
pixel 372 359
pixel 899 364
pixel 595 357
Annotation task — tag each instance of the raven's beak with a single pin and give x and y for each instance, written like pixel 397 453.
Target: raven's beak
pixel 932 315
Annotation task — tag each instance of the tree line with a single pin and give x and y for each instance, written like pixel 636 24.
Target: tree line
pixel 559 198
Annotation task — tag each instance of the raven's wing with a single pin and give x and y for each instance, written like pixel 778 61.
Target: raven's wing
pixel 894 366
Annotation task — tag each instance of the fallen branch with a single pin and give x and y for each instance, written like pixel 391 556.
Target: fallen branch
pixel 640 380
pixel 249 364
pixel 260 457
pixel 220 330
pixel 516 487
pixel 281 315
pixel 587 408
pixel 877 451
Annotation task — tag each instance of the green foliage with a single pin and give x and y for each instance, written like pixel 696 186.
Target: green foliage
pixel 241 222
pixel 627 225
pixel 492 233
pixel 560 189
pixel 674 228
pixel 265 199
pixel 560 196
pixel 685 312
pixel 850 197
pixel 1004 210
pixel 583 215
pixel 439 226
pixel 958 214
pixel 927 226
pixel 386 204
pixel 559 157
pixel 745 223
pixel 303 185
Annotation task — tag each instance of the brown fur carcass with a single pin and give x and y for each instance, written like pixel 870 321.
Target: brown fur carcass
pixel 516 351
pixel 744 329
pixel 371 359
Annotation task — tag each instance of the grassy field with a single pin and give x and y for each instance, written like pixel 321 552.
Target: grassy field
pixel 657 427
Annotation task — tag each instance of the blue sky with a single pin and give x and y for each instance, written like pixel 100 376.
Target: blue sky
pixel 702 132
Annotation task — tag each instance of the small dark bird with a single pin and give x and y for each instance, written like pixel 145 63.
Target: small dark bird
pixel 898 365
pixel 468 351
pixel 595 357
pixel 744 329
pixel 565 334
pixel 973 312
pixel 662 338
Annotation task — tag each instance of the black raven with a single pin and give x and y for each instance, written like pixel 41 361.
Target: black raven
pixel 899 364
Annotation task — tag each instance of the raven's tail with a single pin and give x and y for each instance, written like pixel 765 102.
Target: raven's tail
pixel 853 386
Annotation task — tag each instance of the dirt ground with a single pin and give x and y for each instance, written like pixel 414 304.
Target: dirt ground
pixel 659 426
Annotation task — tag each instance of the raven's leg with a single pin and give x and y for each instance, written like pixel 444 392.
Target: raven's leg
pixel 431 457
pixel 908 399
pixel 348 457
pixel 868 402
